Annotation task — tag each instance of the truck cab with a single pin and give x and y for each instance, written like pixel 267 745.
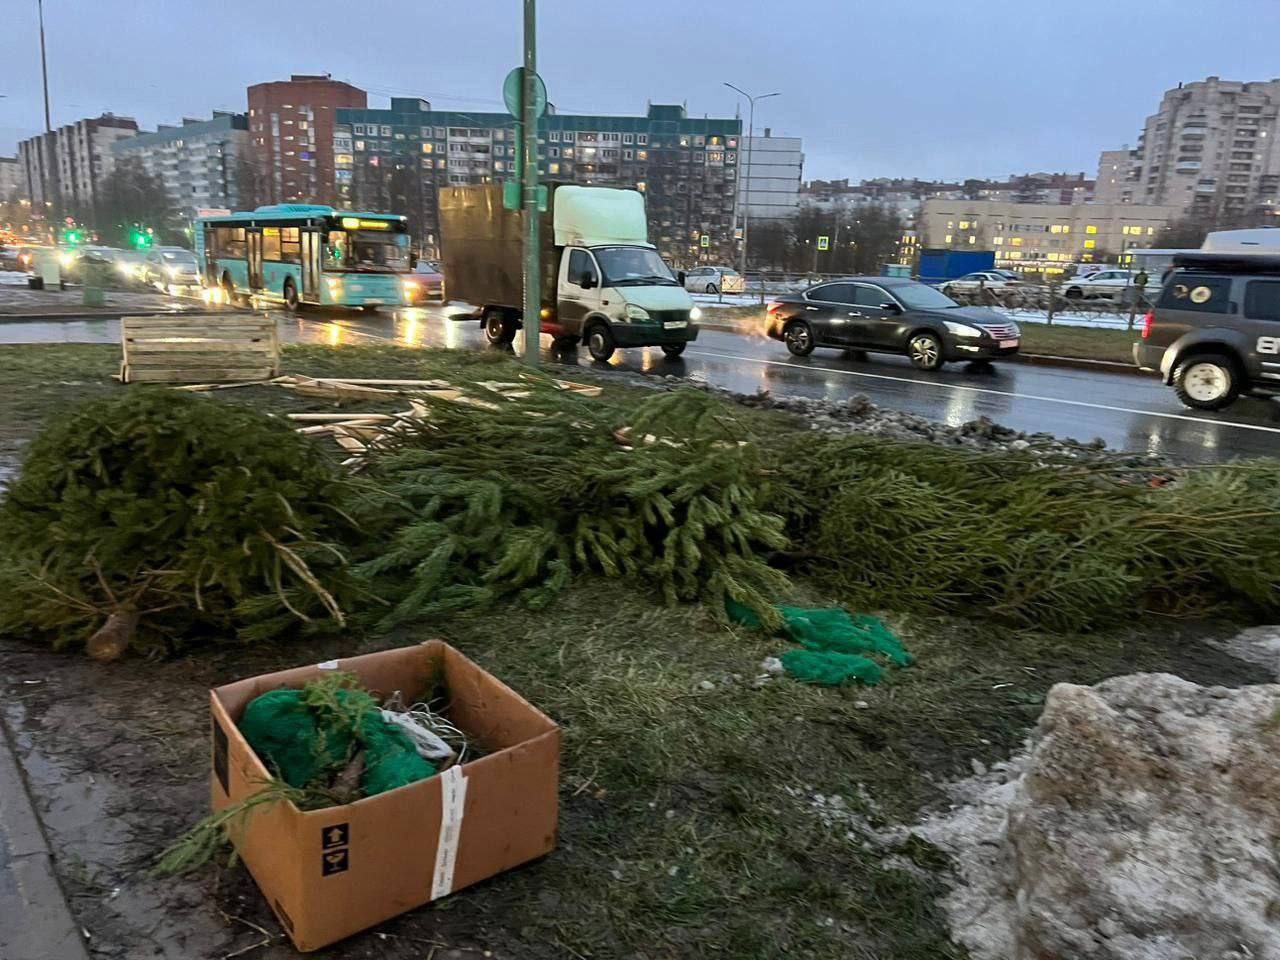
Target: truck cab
pixel 603 283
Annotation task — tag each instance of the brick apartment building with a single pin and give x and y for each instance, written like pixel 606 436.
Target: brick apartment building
pixel 291 128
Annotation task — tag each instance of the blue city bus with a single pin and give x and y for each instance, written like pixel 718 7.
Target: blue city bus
pixel 305 254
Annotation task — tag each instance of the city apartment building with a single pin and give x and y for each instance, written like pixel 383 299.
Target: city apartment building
pixel 291 129
pixel 1041 235
pixel 1209 150
pixel 396 159
pixel 198 161
pixel 12 182
pixel 65 168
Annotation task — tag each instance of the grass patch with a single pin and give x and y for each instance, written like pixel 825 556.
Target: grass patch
pixel 1085 343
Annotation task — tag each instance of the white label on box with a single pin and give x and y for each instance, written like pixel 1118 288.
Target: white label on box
pixel 327 665
pixel 453 798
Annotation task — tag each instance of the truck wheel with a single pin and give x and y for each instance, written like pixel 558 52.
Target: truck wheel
pixel 498 327
pixel 1209 381
pixel 600 343
pixel 673 350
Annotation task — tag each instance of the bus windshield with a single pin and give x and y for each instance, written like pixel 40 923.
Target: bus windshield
pixel 368 251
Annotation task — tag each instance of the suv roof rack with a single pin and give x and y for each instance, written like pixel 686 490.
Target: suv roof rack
pixel 1229 262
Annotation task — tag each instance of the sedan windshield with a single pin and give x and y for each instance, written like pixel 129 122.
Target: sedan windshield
pixel 633 266
pixel 918 296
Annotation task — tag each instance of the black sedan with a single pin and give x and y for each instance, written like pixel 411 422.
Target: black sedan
pixel 891 315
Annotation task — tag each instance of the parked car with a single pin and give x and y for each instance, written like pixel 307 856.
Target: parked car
pixel 891 315
pixel 982 280
pixel 1111 284
pixel 426 282
pixel 168 266
pixel 713 280
pixel 1214 331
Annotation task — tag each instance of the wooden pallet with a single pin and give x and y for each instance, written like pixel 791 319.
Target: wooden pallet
pixel 217 348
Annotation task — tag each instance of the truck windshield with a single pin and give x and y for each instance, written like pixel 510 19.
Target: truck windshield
pixel 632 266
pixel 367 251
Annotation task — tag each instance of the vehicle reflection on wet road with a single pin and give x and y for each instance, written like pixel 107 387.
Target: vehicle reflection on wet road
pixel 1128 412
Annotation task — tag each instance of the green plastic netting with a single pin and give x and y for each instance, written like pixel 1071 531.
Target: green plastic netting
pixel 308 739
pixel 835 643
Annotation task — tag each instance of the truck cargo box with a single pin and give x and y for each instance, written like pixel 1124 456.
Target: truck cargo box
pixel 483 247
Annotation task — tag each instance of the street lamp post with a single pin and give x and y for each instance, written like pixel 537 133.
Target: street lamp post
pixel 44 68
pixel 746 207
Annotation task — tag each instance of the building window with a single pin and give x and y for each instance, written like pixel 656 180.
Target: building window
pixel 997 241
pixel 947 238
pixel 628 154
pixel 628 138
pixel 1015 241
pixel 1090 244
pixel 642 138
pixel 568 136
pixel 553 167
pixel 553 136
pixel 566 152
pixel 359 145
pixel 428 148
pixel 1090 228
pixel 553 151
pixel 973 239
pixel 499 165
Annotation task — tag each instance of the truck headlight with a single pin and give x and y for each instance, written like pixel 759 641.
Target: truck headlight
pixel 962 329
pixel 695 314
pixel 636 313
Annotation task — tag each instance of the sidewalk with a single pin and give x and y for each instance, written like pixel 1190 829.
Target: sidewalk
pixel 20 303
pixel 35 921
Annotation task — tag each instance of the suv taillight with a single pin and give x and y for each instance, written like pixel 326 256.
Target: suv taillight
pixel 1147 321
pixel 772 308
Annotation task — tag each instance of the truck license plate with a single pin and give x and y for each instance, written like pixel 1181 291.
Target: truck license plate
pixel 675 324
pixel 1006 344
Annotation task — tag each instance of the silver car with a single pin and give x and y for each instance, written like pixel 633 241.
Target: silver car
pixel 713 280
pixel 170 266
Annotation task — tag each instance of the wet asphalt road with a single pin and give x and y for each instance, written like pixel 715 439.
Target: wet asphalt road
pixel 1128 412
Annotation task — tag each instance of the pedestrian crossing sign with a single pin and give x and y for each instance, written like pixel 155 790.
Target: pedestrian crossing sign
pixel 705 240
pixel 824 243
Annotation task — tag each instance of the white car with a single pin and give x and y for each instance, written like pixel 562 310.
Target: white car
pixel 713 280
pixel 982 280
pixel 1110 284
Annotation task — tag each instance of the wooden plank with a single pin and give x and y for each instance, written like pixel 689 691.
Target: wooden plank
pixel 431 384
pixel 195 375
pixel 169 347
pixel 220 335
pixel 340 417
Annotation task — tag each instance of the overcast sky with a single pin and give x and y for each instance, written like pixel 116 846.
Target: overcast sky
pixel 928 88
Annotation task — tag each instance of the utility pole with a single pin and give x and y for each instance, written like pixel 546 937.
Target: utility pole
pixel 746 207
pixel 529 121
pixel 44 69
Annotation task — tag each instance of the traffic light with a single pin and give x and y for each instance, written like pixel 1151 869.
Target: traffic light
pixel 140 238
pixel 72 235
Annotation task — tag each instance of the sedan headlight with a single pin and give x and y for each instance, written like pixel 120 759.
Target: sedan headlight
pixel 695 314
pixel 962 329
pixel 636 313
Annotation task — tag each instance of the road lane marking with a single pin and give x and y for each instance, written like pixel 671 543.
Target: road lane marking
pixel 988 390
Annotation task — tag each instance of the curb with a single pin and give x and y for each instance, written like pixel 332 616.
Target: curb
pixel 38 923
pixel 89 315
pixel 1037 359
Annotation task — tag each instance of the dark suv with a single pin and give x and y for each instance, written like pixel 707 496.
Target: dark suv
pixel 891 315
pixel 1214 332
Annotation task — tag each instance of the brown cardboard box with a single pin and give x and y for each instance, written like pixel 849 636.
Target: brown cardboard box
pixel 330 873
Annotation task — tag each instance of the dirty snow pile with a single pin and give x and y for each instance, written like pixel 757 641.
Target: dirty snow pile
pixel 1142 824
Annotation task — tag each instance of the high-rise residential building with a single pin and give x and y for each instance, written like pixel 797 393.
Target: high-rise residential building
pixel 395 159
pixel 64 169
pixel 772 168
pixel 1114 184
pixel 291 127
pixel 1210 150
pixel 12 182
pixel 1042 236
pixel 199 161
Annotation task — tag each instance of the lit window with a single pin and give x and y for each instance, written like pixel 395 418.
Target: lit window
pixel 951 224
pixel 1151 231
pixel 964 224
pixel 641 186
pixel 947 238
pixel 1090 244
pixel 1066 229
pixel 428 148
pixel 553 168
pixel 998 241
pixel 642 154
pixel 499 165
pixel 1090 229
pixel 359 144
pixel 973 239
pixel 1015 241
pixel 566 152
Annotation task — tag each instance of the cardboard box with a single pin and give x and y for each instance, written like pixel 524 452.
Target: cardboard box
pixel 330 873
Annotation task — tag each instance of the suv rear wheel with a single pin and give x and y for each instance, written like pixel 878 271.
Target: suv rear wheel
pixel 1208 381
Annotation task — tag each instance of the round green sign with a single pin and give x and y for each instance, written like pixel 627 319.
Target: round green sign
pixel 513 93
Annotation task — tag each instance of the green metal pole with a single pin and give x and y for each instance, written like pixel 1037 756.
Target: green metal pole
pixel 532 268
